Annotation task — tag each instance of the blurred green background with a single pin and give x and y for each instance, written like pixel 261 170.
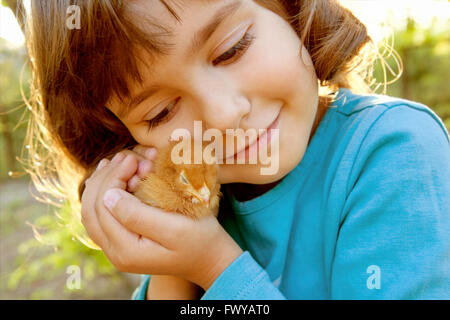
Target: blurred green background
pixel 37 252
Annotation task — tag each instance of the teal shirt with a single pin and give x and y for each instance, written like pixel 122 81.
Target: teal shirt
pixel 364 215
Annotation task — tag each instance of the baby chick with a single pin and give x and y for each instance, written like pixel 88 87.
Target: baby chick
pixel 189 189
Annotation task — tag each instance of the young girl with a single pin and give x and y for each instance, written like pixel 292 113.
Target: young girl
pixel 359 205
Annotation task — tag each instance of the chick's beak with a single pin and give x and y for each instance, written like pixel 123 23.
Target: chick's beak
pixel 203 195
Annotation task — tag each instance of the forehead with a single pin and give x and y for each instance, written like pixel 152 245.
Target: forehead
pixel 170 15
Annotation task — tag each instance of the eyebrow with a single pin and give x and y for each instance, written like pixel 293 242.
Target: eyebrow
pixel 198 40
pixel 137 100
pixel 203 35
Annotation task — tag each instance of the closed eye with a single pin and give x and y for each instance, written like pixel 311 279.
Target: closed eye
pixel 237 50
pixel 164 116
pixel 183 178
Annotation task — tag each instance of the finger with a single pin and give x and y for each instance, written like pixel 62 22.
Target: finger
pixel 144 165
pixel 89 200
pixel 128 250
pixel 128 245
pixel 140 149
pixel 117 177
pixel 105 165
pixel 102 164
pixel 89 218
pixel 130 152
pixel 152 223
pixel 100 168
pixel 133 184
pixel 144 168
pixel 146 152
pixel 151 154
pixel 118 157
pixel 122 172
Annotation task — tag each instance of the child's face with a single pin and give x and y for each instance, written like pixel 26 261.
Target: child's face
pixel 225 89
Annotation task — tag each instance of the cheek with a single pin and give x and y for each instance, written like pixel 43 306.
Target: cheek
pixel 274 67
pixel 159 136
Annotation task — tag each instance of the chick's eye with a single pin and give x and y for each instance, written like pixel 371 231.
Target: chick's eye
pixel 183 178
pixel 236 51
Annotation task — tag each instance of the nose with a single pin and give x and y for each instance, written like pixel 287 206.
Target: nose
pixel 222 104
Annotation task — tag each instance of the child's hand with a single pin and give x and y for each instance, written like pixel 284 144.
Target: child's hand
pixel 141 239
pixel 141 165
pixel 145 156
pixel 162 287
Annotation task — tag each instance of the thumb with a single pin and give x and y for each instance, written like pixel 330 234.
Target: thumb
pixel 125 208
pixel 112 197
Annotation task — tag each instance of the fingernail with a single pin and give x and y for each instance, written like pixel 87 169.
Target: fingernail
pixel 118 157
pixel 110 199
pixel 133 183
pixel 144 166
pixel 151 153
pixel 101 164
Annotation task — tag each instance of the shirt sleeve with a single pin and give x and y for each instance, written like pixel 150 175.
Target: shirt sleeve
pixel 394 238
pixel 140 293
pixel 244 279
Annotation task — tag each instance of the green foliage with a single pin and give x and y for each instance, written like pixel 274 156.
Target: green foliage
pixel 13 75
pixel 39 270
pixel 47 255
pixel 425 54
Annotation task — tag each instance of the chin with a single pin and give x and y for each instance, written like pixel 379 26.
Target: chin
pixel 288 159
pixel 252 173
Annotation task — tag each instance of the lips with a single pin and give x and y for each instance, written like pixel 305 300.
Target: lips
pixel 266 132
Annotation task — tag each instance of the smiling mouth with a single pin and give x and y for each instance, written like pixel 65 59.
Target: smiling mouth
pixel 264 133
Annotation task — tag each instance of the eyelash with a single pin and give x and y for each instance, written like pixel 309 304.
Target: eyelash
pixel 163 116
pixel 235 52
pixel 238 49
